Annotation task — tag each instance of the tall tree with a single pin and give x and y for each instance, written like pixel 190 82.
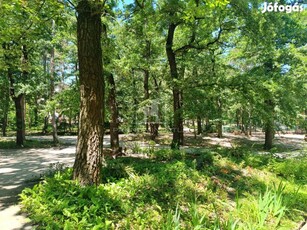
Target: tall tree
pixel 177 102
pixel 89 158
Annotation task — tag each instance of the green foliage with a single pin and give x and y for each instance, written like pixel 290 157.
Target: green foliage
pixel 167 154
pixel 271 203
pixel 166 191
pixel 291 169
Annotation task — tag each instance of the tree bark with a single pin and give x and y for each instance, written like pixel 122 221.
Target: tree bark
pixel 134 125
pixel 19 100
pixel 219 122
pixel 20 119
pixel 181 134
pixel 4 124
pixel 114 126
pixel 45 127
pixel 269 124
pixel 269 107
pixel 154 130
pixel 146 96
pixel 89 157
pixel 147 53
pixel 177 117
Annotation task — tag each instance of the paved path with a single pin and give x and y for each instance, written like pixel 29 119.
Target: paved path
pixel 18 169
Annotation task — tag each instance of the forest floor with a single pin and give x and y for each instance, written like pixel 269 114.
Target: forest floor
pixel 20 168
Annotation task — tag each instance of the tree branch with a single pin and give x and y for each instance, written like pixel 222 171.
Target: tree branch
pixel 73 6
pixel 197 47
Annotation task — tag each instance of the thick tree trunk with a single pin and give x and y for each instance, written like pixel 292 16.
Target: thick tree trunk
pixel 89 157
pixel 269 136
pixel 219 129
pixel 154 130
pixel 269 124
pixel 19 100
pixel 20 119
pixel 114 115
pixel 53 112
pixel 177 117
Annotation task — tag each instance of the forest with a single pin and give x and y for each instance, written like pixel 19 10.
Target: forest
pixel 177 114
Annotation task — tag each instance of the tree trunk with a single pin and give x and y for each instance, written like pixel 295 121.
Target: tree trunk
pixel 35 111
pixel 52 72
pixel 44 131
pixel 219 122
pixel 20 119
pixel 19 100
pixel 242 121
pixel 147 53
pixel 219 129
pixel 134 125
pixel 154 130
pixel 4 124
pixel 146 96
pixel 177 117
pixel 89 157
pixel 114 115
pixel 269 136
pixel 269 124
pixel 181 118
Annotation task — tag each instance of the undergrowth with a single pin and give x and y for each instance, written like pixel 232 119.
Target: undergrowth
pixel 11 144
pixel 205 189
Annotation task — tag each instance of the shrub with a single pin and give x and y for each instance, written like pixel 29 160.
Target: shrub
pixel 291 169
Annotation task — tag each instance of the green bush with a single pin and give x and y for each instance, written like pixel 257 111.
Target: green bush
pixel 166 191
pixel 167 154
pixel 291 169
pixel 132 201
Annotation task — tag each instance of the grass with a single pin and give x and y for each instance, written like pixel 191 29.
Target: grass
pixel 212 188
